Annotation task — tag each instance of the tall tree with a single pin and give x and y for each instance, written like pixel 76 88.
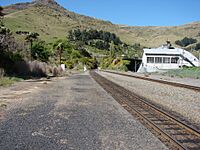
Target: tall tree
pixel 31 37
pixel 60 49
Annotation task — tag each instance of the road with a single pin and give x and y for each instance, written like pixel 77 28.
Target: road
pixel 72 113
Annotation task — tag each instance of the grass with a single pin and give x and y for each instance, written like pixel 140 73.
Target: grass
pixel 192 72
pixel 7 81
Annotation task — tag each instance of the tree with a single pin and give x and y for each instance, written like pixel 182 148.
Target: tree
pixel 60 49
pixel 40 52
pixel 86 35
pixel 32 36
pixel 8 47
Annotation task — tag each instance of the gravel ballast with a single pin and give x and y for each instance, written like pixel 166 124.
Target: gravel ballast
pixel 73 113
pixel 183 102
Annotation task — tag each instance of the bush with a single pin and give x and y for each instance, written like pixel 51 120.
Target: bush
pixel 57 71
pixel 7 61
pixel 185 41
pixel 119 64
pixel 69 64
pixel 105 62
pixel 114 64
pixel 25 68
pixel 36 69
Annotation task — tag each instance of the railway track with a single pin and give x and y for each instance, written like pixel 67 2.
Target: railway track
pixel 195 88
pixel 174 133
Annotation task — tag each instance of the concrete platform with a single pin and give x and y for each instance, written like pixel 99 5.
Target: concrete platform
pixel 74 113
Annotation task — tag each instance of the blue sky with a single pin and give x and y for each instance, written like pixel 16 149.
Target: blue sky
pixel 134 12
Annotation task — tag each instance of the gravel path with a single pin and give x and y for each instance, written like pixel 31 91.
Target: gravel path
pixel 184 102
pixel 73 113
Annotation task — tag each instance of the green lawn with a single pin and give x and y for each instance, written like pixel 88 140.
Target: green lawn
pixel 192 72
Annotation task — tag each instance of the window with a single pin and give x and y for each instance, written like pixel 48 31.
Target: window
pixel 166 60
pixel 174 60
pixel 150 59
pixel 158 59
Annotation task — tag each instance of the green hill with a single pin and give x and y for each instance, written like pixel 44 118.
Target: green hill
pixel 53 21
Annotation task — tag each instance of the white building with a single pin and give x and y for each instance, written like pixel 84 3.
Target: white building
pixel 166 57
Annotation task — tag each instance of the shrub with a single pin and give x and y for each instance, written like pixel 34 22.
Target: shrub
pixel 119 64
pixel 69 64
pixel 57 71
pixel 185 41
pixel 36 69
pixel 105 62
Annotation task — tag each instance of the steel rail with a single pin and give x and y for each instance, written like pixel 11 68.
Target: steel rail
pixel 132 100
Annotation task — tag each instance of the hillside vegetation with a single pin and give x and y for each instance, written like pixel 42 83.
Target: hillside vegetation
pixel 24 53
pixel 51 21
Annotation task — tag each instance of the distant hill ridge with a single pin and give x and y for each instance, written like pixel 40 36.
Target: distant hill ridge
pixel 21 6
pixel 51 21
